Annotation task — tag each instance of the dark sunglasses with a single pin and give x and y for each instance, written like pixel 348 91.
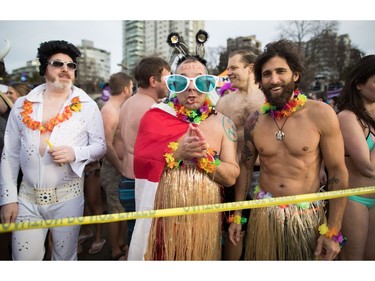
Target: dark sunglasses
pixel 60 64
pixel 177 83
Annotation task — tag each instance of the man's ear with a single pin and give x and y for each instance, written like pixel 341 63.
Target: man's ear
pixel 152 81
pixel 295 76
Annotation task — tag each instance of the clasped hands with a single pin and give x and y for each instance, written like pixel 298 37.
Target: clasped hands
pixel 191 145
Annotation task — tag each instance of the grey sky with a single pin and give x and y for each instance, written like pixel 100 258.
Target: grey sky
pixel 25 36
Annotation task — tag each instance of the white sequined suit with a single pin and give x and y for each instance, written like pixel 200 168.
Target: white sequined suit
pixel 49 190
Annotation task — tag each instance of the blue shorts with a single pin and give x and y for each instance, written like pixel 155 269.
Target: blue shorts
pixel 127 200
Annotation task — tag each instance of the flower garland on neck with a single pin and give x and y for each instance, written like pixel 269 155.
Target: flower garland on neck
pixel 27 107
pixel 291 106
pixel 191 115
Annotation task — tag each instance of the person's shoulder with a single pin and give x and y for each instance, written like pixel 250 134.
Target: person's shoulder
pixel 230 102
pixel 221 117
pixel 110 111
pixel 319 107
pixel 347 115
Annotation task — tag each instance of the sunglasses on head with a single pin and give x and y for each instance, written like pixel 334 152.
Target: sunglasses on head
pixel 177 83
pixel 60 64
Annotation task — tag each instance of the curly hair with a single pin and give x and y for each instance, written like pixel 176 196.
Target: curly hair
pixel 285 49
pixel 47 49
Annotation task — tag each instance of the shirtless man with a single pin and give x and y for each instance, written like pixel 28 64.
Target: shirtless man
pixel 149 75
pixel 292 136
pixel 238 106
pixel 121 86
pixel 189 157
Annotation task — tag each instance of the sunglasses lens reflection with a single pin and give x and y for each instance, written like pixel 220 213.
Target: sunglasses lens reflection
pixel 177 84
pixel 71 65
pixel 57 64
pixel 205 83
pixel 60 64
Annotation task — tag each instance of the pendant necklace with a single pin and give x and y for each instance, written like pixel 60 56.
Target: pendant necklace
pixel 294 104
pixel 280 135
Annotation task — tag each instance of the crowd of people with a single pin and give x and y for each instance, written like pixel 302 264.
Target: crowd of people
pixel 170 145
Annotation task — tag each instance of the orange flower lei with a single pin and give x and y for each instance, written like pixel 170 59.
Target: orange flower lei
pixel 27 107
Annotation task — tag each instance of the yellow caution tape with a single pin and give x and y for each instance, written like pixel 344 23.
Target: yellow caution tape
pixel 221 207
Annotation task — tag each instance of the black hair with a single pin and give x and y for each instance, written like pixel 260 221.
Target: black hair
pixel 285 49
pixel 198 58
pixel 350 97
pixel 48 49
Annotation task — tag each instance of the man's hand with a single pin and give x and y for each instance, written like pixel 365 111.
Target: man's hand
pixel 9 212
pixel 192 145
pixel 326 248
pixel 62 154
pixel 234 231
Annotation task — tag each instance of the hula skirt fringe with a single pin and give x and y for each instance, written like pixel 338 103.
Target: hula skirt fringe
pixel 284 232
pixel 187 237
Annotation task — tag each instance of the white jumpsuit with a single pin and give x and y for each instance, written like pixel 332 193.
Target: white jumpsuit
pixel 49 190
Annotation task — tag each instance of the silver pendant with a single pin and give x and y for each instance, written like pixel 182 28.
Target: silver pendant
pixel 280 135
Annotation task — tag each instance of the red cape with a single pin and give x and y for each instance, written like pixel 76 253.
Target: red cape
pixel 156 129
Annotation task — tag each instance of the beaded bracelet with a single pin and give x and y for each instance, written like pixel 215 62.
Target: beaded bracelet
pixel 210 162
pixel 168 154
pixel 236 219
pixel 333 234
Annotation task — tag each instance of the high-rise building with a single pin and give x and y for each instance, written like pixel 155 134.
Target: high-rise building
pixel 133 43
pixel 244 42
pixel 146 38
pixel 93 64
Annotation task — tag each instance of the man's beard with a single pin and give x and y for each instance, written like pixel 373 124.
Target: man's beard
pixel 58 84
pixel 62 85
pixel 280 100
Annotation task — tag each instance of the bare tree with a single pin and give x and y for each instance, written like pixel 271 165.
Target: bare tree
pixel 213 59
pixel 302 30
pixel 310 31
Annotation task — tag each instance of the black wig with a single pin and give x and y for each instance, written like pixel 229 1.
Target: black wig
pixel 48 49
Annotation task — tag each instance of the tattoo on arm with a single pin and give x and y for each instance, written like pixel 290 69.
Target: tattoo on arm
pixel 230 129
pixel 332 181
pixel 247 153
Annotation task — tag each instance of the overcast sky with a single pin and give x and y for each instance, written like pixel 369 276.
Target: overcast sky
pixel 25 36
pixel 28 23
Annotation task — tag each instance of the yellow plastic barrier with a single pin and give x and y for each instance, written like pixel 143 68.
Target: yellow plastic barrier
pixel 267 202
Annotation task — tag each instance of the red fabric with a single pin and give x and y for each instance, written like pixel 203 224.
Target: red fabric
pixel 157 128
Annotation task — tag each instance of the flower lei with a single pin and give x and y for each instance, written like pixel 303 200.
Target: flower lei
pixel 333 234
pixel 27 107
pixel 168 155
pixel 207 164
pixel 210 162
pixel 291 106
pixel 189 115
pixel 237 219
